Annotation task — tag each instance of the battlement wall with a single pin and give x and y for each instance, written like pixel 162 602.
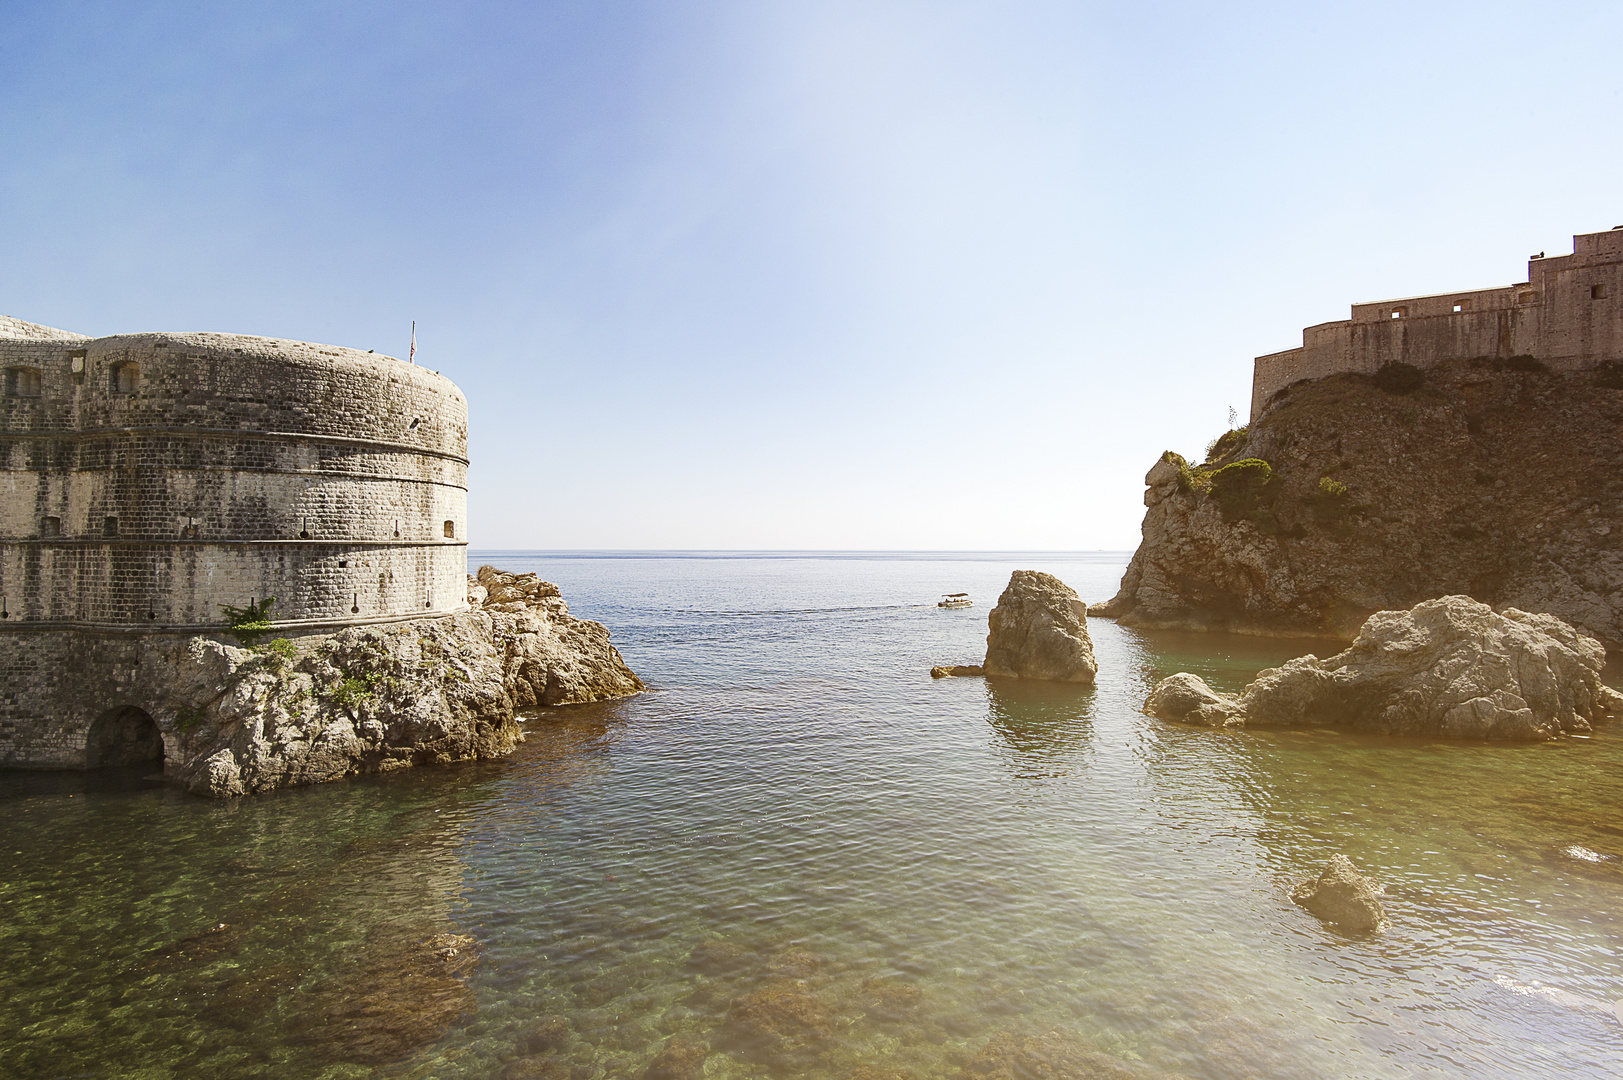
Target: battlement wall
pixel 1568 315
pixel 150 479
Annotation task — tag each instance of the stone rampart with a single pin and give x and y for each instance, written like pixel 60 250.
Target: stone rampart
pixel 152 478
pixel 1568 315
pixel 149 480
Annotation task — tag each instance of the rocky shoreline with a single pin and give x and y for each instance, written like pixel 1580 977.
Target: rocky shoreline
pixel 1354 494
pixel 285 712
pixel 1451 667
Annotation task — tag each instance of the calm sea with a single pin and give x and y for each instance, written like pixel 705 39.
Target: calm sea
pixel 800 851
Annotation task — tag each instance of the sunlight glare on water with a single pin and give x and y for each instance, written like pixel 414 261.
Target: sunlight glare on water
pixel 799 855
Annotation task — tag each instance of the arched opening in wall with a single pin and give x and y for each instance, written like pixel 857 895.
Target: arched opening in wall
pixel 450 529
pixel 123 736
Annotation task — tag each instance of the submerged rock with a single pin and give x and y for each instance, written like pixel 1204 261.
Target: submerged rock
pixel 782 1019
pixel 889 1001
pixel 940 672
pixel 1343 897
pixel 1187 699
pixel 546 1035
pixel 1039 630
pixel 1450 667
pixel 680 1059
pixel 373 699
pixel 1054 1055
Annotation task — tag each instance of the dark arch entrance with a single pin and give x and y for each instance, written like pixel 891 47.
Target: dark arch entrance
pixel 126 736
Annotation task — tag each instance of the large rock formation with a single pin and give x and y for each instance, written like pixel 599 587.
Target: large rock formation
pixel 1343 897
pixel 1451 667
pixel 1492 480
pixel 1039 630
pixel 1187 699
pixel 371 699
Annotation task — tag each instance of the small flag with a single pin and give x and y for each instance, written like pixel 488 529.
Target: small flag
pixel 413 355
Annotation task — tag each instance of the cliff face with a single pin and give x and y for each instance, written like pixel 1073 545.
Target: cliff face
pixel 1499 481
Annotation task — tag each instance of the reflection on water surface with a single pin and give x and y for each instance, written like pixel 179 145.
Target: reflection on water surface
pixel 801 856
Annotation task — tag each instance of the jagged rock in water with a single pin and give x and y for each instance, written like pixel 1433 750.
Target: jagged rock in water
pixel 1343 897
pixel 372 699
pixel 958 670
pixel 1039 630
pixel 1451 667
pixel 1499 484
pixel 1187 699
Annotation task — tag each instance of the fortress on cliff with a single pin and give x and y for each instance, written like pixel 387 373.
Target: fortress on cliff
pixel 152 479
pixel 1568 315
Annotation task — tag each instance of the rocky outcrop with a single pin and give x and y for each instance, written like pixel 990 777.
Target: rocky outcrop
pixel 372 699
pixel 956 670
pixel 1343 499
pixel 1451 667
pixel 1187 699
pixel 1343 897
pixel 1039 630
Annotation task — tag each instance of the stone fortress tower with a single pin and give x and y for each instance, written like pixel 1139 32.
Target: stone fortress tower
pixel 1567 315
pixel 150 479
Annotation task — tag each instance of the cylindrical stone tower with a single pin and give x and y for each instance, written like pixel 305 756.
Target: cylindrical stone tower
pixel 151 479
pixel 148 481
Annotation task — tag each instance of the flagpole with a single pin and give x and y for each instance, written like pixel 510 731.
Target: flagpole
pixel 412 356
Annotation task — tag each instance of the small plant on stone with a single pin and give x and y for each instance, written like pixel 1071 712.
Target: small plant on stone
pixel 188 719
pixel 1331 502
pixel 358 690
pixel 1245 489
pixel 1227 442
pixel 276 655
pixel 248 624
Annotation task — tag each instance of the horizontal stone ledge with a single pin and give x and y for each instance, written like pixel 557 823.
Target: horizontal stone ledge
pixel 153 542
pixel 193 629
pixel 328 474
pixel 225 433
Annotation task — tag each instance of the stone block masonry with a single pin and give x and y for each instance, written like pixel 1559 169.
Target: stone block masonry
pixel 147 480
pixel 1568 315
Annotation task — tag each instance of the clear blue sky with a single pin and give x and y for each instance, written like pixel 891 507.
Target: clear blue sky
pixel 806 275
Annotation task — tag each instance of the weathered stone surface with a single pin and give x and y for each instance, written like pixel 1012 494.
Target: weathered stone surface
pixel 1343 897
pixel 1039 630
pixel 959 670
pixel 1451 667
pixel 1187 699
pixel 372 699
pixel 1499 484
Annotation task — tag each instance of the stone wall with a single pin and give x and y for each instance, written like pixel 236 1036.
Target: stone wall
pixel 150 479
pixel 1568 315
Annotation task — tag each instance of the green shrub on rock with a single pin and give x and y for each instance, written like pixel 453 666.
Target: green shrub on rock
pixel 248 624
pixel 1330 502
pixel 1226 443
pixel 1244 489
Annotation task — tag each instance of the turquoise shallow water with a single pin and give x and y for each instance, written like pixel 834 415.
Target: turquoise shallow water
pixel 801 851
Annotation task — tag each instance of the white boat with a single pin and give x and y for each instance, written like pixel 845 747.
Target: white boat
pixel 956 599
